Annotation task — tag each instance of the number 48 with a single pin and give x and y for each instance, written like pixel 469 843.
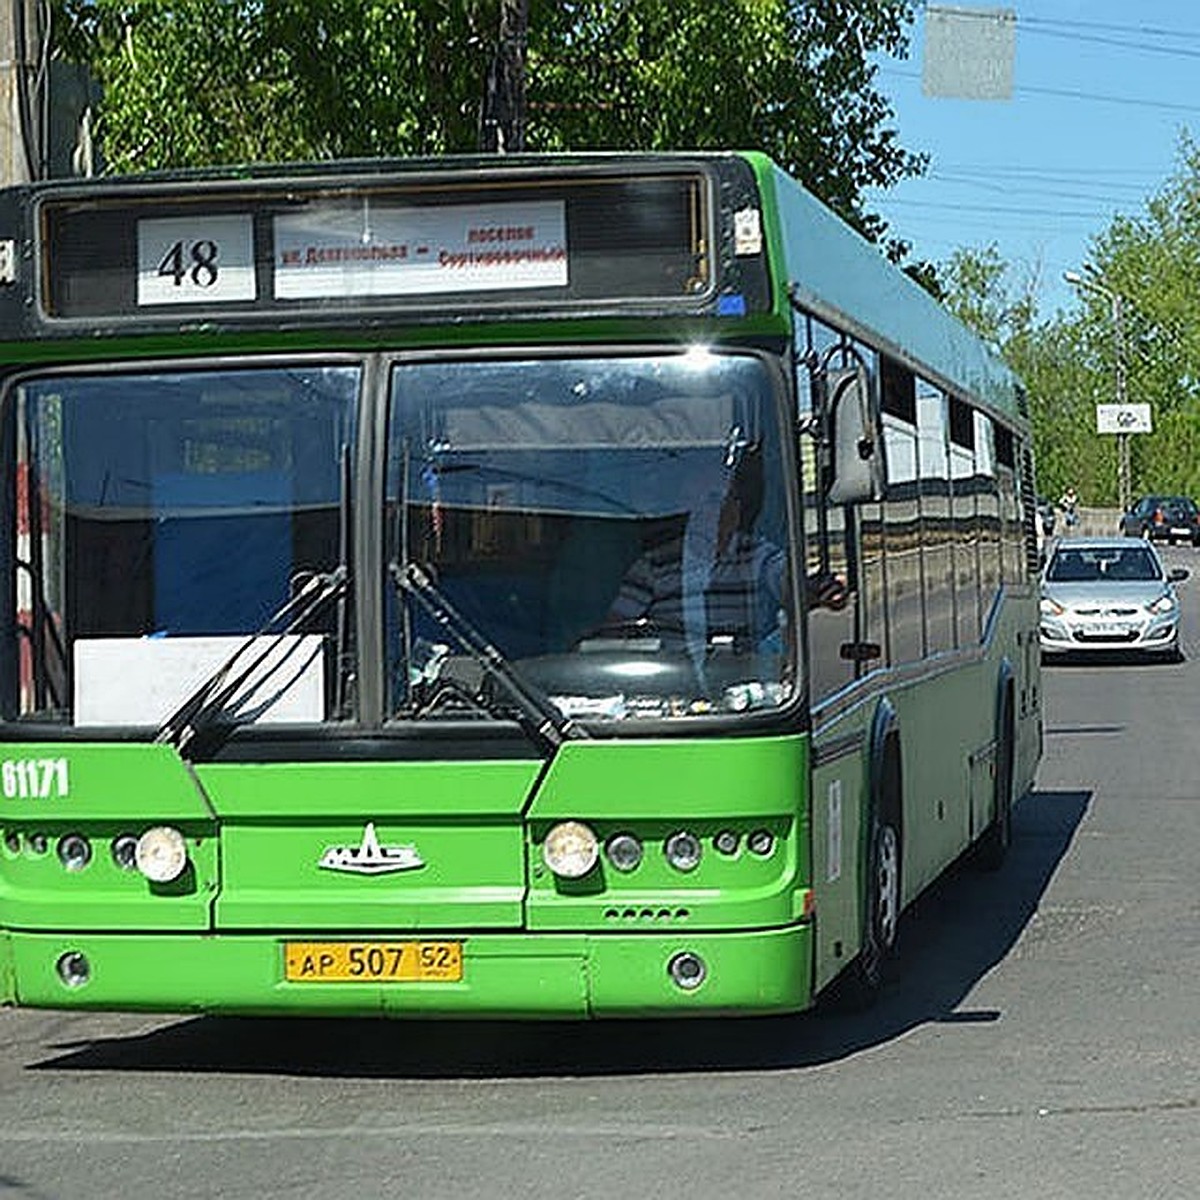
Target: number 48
pixel 197 262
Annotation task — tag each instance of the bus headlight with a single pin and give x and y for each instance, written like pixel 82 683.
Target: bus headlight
pixel 161 854
pixel 571 849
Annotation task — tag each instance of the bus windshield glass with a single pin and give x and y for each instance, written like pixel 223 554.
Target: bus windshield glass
pixel 612 527
pixel 162 517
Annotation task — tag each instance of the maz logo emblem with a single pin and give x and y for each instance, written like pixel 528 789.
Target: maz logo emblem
pixel 369 857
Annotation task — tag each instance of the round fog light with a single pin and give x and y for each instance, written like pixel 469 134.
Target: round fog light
pixel 570 849
pixel 624 851
pixel 161 854
pixel 74 851
pixel 683 850
pixel 73 968
pixel 687 970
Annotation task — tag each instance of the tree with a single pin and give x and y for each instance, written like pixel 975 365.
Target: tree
pixel 791 79
pixel 976 288
pixel 1050 358
pixel 1152 260
pixel 203 82
pixel 198 82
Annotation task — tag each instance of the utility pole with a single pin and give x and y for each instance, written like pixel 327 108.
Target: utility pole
pixel 20 112
pixel 1124 482
pixel 1090 281
pixel 502 121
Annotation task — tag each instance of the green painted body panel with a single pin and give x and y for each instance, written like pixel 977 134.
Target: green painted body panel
pixel 37 893
pixel 444 790
pixel 946 721
pixel 474 878
pixel 131 782
pixel 674 779
pixel 655 789
pixel 831 268
pixel 113 790
pixel 517 976
pixel 536 945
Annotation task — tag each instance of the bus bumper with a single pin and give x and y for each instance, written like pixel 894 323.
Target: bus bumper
pixel 504 975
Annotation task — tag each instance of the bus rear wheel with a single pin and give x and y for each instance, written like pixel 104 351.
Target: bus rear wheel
pixel 993 846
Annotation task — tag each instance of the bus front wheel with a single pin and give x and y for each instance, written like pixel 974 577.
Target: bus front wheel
pixel 860 985
pixel 883 902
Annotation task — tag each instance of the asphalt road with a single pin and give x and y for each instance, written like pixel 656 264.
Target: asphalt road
pixel 1042 1040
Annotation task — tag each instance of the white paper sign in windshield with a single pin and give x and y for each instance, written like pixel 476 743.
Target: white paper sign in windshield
pixel 342 250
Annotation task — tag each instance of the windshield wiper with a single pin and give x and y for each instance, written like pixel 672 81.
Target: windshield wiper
pixel 243 673
pixel 226 691
pixel 535 712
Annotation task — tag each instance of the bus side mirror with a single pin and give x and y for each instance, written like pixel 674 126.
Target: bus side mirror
pixel 856 467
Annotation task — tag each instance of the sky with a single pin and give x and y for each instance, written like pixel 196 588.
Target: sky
pixel 1101 93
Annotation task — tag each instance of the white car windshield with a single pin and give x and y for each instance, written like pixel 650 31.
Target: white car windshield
pixel 1135 564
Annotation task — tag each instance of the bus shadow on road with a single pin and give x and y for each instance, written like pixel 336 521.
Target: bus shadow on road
pixel 961 928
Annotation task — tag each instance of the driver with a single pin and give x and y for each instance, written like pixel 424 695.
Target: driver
pixel 717 579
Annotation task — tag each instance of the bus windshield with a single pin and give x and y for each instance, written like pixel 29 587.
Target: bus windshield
pixel 614 527
pixel 163 516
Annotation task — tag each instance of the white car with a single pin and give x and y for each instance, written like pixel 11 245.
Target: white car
pixel 1106 594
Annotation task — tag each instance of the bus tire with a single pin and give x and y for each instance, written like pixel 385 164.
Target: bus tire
pixel 996 839
pixel 882 921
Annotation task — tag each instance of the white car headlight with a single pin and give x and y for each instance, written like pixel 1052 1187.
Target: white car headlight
pixel 1051 608
pixel 1164 604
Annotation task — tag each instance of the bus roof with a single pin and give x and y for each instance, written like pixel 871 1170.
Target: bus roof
pixel 839 276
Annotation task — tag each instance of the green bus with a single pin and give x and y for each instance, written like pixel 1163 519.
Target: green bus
pixel 574 586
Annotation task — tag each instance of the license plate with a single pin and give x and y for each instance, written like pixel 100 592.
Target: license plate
pixel 1108 630
pixel 372 962
pixel 1181 531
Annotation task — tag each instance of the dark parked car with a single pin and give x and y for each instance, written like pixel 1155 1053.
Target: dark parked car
pixel 1163 519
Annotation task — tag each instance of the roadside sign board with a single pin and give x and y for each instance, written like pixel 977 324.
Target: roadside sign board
pixel 1123 418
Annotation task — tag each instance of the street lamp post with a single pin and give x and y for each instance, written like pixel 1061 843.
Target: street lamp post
pixel 1089 282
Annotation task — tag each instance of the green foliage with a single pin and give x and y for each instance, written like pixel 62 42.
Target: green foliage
pixel 791 79
pixel 1069 363
pixel 977 291
pixel 198 82
pixel 1153 262
pixel 201 82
